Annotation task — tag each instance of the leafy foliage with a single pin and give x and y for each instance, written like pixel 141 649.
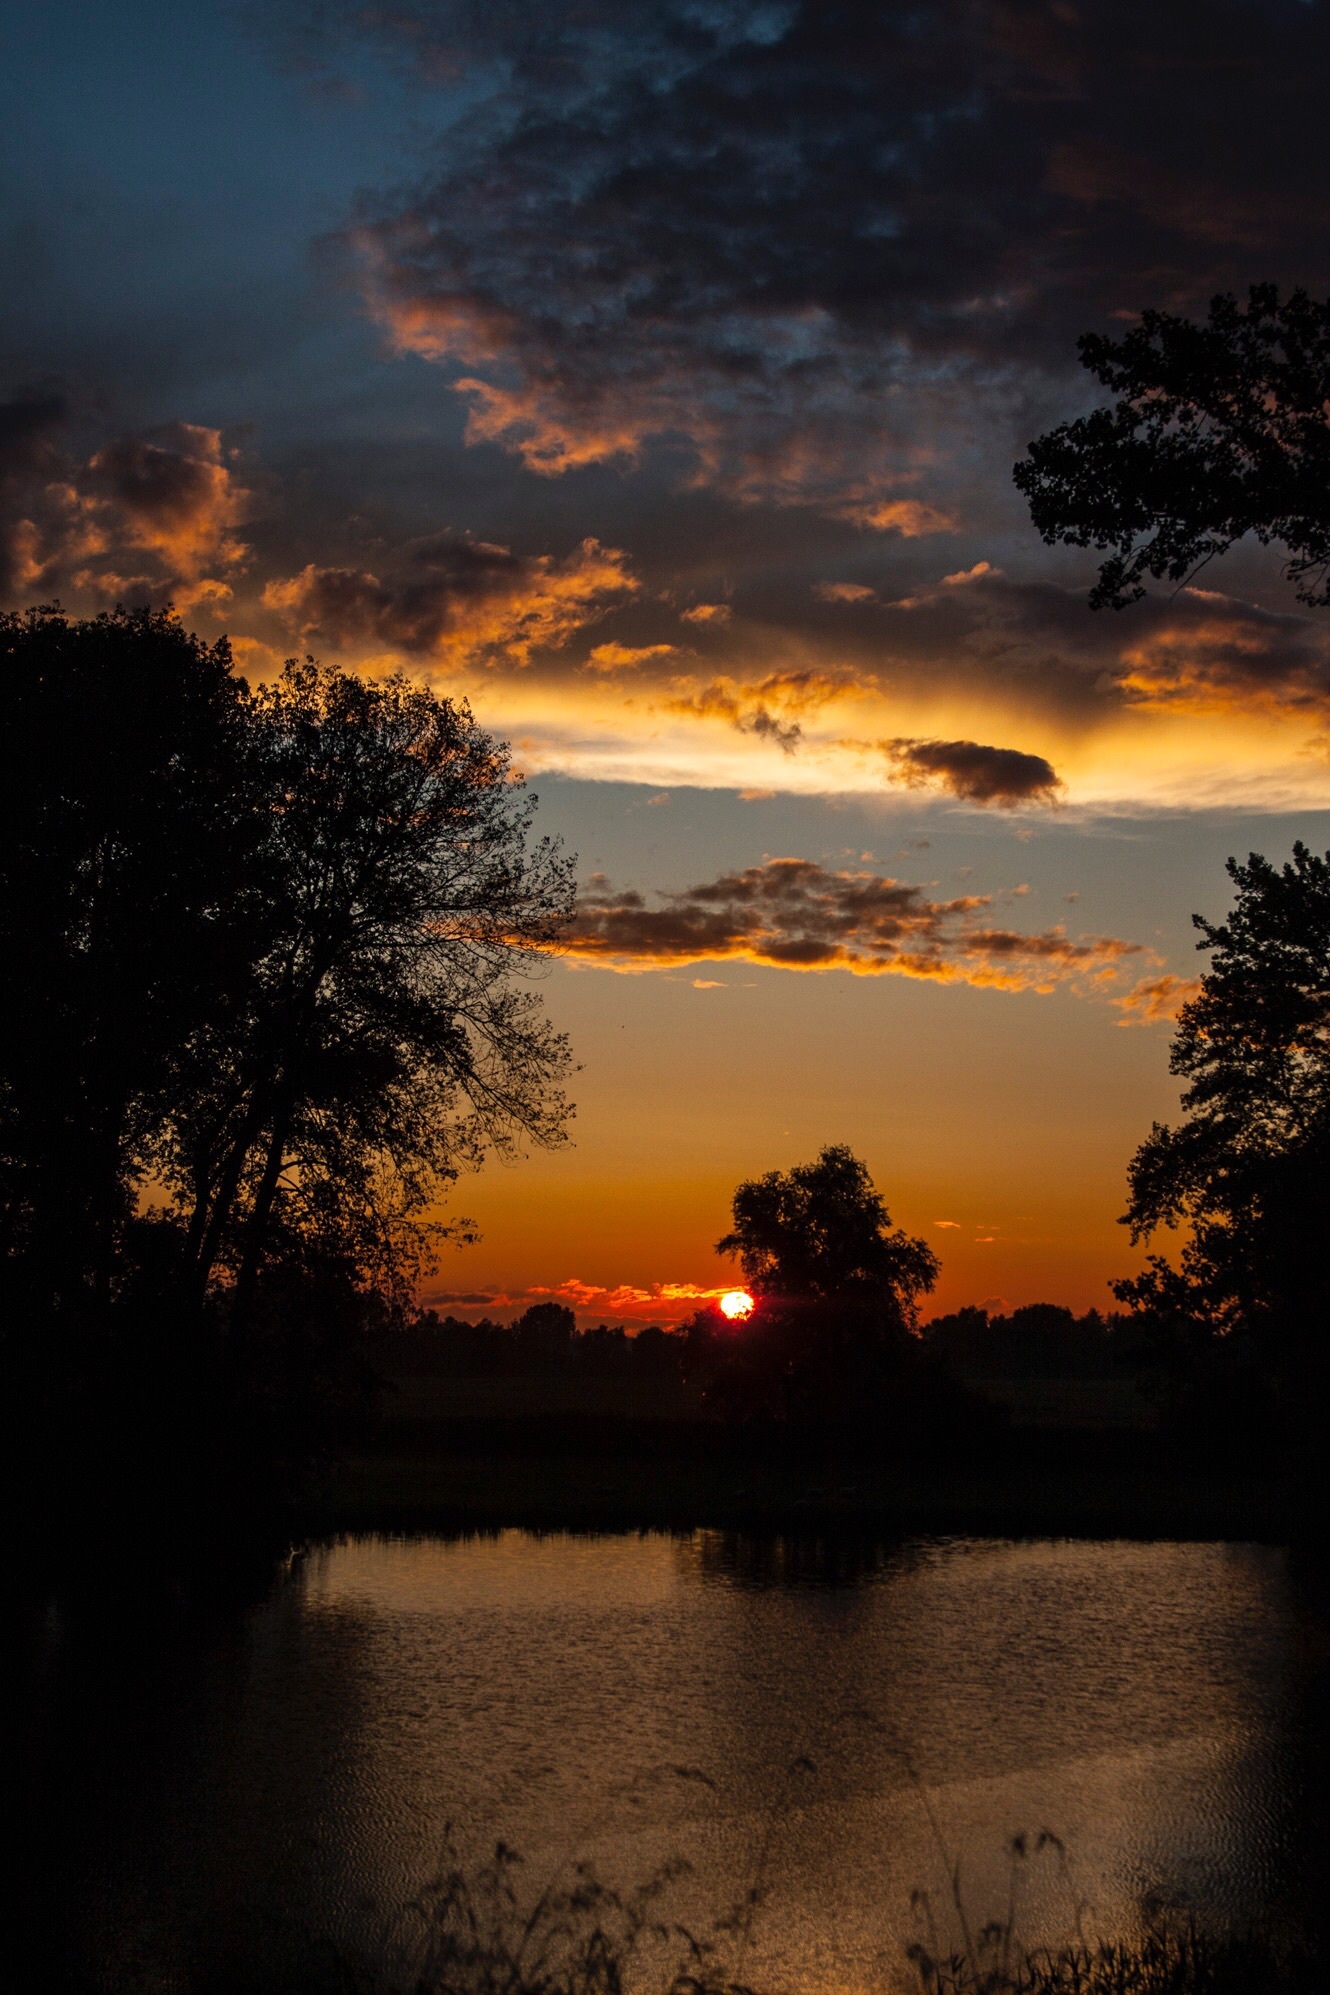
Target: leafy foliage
pixel 379 1040
pixel 121 856
pixel 1248 1171
pixel 1219 430
pixel 262 957
pixel 821 1232
pixel 837 1294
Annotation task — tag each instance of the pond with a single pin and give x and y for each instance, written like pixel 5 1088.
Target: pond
pixel 839 1725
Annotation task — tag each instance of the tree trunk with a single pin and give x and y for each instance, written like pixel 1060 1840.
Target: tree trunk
pixel 256 1232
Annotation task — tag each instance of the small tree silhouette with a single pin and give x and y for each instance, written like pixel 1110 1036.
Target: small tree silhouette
pixel 837 1295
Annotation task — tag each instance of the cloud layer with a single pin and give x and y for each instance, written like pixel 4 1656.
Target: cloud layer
pixel 633 1303
pixel 449 597
pixel 1197 651
pixel 145 516
pixel 792 238
pixel 794 914
pixel 691 268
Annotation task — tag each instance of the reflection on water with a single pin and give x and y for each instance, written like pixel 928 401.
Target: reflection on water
pixel 841 1719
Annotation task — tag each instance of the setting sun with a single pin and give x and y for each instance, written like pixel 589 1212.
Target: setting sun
pixel 736 1305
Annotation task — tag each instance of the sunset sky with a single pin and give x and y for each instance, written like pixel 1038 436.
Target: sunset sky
pixel 652 375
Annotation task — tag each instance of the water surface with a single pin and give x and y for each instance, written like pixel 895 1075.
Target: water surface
pixel 838 1723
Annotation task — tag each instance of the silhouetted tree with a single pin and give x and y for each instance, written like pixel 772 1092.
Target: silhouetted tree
pixel 260 954
pixel 1219 430
pixel 382 1038
pixel 820 1232
pixel 123 851
pixel 836 1290
pixel 545 1334
pixel 1040 1340
pixel 1248 1171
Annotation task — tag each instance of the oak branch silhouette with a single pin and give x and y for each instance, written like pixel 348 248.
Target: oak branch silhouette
pixel 1219 430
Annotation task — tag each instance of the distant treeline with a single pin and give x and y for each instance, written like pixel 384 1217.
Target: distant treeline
pixel 1041 1340
pixel 545 1339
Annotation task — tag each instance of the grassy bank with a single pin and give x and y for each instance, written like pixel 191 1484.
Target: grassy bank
pixel 475 1931
pixel 551 1467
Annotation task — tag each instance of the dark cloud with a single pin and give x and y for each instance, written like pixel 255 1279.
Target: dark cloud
pixel 174 493
pixel 975 773
pixel 1205 652
pixel 445 595
pixel 1196 649
pixel 145 516
pixel 28 426
pixel 163 484
pixel 796 237
pixel 794 914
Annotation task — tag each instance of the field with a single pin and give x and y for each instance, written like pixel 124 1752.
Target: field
pixel 1073 1456
pixel 1091 1405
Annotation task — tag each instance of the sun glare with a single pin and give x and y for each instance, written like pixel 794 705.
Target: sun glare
pixel 736 1305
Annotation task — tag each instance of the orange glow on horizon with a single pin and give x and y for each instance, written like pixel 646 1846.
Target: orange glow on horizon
pixel 736 1305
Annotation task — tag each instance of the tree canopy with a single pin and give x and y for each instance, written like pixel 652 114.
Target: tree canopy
pixel 379 1038
pixel 125 748
pixel 1218 430
pixel 262 972
pixel 821 1232
pixel 837 1294
pixel 1248 1170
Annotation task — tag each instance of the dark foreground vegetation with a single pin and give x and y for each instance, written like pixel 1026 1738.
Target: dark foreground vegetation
pixel 477 1930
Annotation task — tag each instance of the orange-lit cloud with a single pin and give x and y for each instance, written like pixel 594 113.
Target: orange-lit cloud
pixel 551 438
pixel 175 495
pixel 633 1303
pixel 454 598
pixel 766 708
pixel 85 526
pixel 625 657
pixel 795 914
pixel 708 613
pixel 722 700
pixel 911 518
pixel 1156 1000
pixel 1208 653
